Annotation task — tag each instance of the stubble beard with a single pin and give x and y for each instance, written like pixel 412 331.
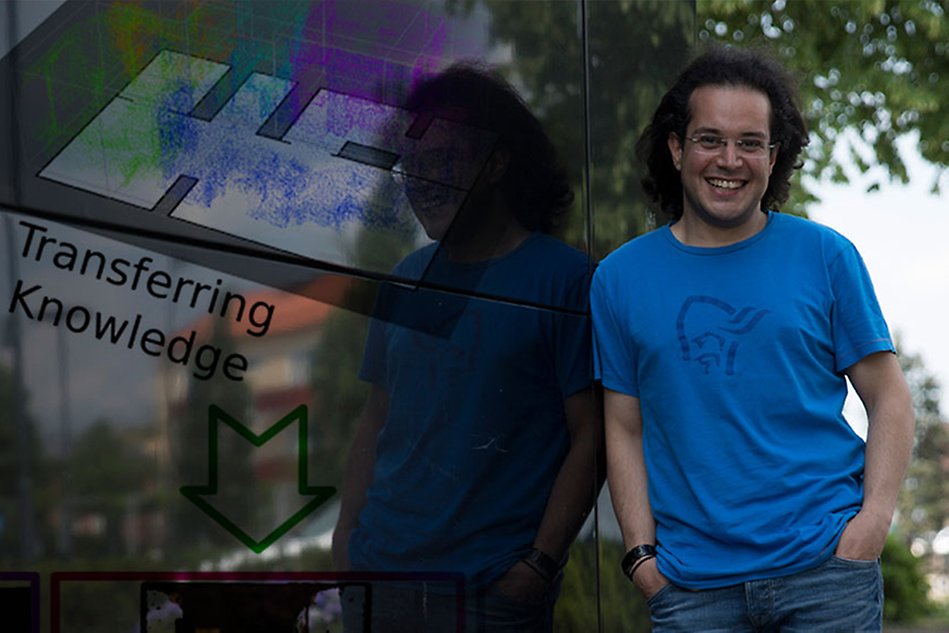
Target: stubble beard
pixel 704 216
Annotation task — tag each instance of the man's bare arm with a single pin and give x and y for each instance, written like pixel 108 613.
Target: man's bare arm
pixel 358 474
pixel 578 482
pixel 879 382
pixel 572 497
pixel 626 473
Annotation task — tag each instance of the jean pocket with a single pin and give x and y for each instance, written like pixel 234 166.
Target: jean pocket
pixel 501 612
pixel 854 562
pixel 656 597
pixel 495 594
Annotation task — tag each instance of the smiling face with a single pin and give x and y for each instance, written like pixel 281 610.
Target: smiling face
pixel 445 172
pixel 722 189
pixel 434 202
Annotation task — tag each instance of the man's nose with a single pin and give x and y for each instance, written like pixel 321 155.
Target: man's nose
pixel 728 155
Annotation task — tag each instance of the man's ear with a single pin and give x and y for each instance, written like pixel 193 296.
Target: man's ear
pixel 496 167
pixel 675 150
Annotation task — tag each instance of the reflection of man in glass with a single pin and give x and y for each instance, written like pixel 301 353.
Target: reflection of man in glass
pixel 477 445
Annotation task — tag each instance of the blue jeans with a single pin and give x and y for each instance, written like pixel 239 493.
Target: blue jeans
pixel 839 595
pixel 405 607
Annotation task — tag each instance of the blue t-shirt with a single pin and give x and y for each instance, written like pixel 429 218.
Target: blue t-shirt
pixel 476 431
pixel 736 355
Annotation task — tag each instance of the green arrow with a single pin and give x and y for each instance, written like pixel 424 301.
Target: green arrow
pixel 197 494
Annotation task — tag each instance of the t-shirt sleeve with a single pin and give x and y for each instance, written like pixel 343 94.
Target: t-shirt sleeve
pixel 614 353
pixel 857 322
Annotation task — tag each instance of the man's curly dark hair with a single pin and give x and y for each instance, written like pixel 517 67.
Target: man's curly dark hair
pixel 535 183
pixel 723 66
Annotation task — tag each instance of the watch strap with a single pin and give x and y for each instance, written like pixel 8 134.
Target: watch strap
pixel 636 555
pixel 545 566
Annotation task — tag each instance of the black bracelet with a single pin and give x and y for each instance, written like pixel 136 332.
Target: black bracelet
pixel 545 566
pixel 639 563
pixel 634 555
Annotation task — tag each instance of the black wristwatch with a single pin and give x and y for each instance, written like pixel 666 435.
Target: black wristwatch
pixel 635 557
pixel 545 566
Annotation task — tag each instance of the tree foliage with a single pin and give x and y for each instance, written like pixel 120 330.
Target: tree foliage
pixel 904 586
pixel 591 569
pixel 878 68
pixel 635 50
pixel 103 463
pixel 923 508
pixel 106 471
pixel 11 469
pixel 871 72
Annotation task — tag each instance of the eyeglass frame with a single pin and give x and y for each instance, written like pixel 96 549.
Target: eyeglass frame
pixel 740 144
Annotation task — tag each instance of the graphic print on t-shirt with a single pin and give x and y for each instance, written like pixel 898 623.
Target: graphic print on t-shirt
pixel 710 331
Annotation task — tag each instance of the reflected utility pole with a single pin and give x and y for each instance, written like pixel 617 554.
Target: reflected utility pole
pixel 24 444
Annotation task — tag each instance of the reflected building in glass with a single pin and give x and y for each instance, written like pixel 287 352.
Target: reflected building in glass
pixel 406 214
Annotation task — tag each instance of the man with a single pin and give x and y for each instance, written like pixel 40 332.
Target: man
pixel 477 447
pixel 723 341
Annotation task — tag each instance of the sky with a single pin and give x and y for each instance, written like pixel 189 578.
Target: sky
pixel 902 233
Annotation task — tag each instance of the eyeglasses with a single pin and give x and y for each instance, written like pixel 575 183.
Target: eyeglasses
pixel 438 164
pixel 714 144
